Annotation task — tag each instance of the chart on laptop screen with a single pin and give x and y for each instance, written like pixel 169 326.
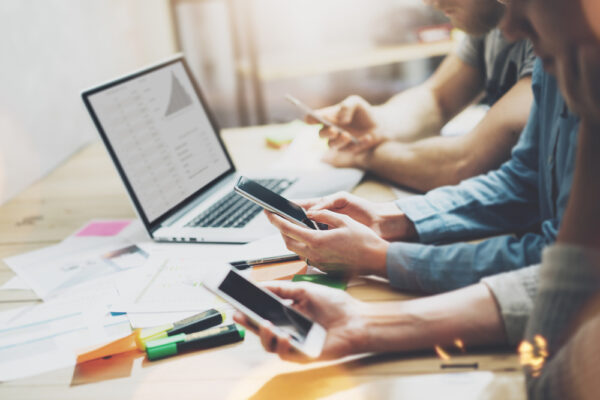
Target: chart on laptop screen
pixel 161 136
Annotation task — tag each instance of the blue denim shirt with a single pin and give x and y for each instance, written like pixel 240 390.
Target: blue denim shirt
pixel 528 194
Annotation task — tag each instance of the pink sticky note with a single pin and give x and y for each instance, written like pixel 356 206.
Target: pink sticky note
pixel 103 228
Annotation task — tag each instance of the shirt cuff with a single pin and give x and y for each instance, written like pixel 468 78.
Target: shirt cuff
pixel 427 220
pixel 400 266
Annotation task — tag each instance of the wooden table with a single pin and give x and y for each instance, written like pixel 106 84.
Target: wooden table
pixel 87 187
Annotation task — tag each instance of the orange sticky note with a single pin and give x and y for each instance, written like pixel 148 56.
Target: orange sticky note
pixel 121 345
pixel 277 271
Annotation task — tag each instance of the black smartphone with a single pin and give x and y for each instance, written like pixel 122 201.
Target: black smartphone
pixel 275 203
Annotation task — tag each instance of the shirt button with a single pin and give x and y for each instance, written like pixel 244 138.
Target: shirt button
pixel 550 160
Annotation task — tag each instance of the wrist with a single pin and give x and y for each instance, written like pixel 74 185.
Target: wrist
pixel 362 337
pixel 389 326
pixel 363 159
pixel 394 225
pixel 383 115
pixel 377 261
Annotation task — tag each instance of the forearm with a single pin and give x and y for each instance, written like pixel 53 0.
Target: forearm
pixel 440 161
pixel 425 164
pixel 410 115
pixel 469 314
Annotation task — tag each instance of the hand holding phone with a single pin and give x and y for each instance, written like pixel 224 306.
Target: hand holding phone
pixel 309 111
pixel 260 305
pixel 274 203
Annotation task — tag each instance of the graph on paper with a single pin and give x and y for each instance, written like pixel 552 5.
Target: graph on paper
pixel 162 137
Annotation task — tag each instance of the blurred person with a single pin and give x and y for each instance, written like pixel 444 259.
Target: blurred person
pixel 566 314
pixel 484 63
pixel 496 310
pixel 416 242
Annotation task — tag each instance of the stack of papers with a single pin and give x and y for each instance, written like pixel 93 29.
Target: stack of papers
pixel 102 282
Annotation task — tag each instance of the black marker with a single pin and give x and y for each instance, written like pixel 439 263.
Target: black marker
pixel 213 337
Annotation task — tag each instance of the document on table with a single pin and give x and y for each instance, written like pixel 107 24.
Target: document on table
pixel 45 337
pixel 55 270
pixel 79 259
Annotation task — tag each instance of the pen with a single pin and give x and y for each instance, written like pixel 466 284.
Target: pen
pixel 213 337
pixel 313 114
pixel 265 260
pixel 460 365
pixel 195 323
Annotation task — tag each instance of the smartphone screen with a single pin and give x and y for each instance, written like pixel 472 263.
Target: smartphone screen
pixel 256 299
pixel 309 111
pixel 273 200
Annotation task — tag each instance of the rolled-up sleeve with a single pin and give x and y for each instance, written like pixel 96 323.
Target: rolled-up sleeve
pixel 514 293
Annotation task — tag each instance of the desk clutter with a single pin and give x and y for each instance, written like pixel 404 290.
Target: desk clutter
pixel 108 289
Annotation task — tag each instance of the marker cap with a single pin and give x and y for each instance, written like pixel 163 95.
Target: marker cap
pixel 147 334
pixel 164 347
pixel 198 322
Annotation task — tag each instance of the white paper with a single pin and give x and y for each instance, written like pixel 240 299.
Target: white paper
pixel 15 283
pixel 166 293
pixel 53 270
pixel 48 336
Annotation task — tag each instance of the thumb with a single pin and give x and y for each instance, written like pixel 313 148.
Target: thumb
pixel 328 217
pixel 308 203
pixel 328 113
pixel 332 202
pixel 347 109
pixel 286 290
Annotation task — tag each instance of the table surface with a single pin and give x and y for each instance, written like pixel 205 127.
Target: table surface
pixel 87 187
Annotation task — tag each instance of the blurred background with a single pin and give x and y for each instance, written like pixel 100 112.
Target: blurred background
pixel 246 55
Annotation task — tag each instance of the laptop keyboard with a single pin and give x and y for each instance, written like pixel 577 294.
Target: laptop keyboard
pixel 234 211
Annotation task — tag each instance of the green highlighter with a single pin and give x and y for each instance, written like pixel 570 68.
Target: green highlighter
pixel 172 345
pixel 336 282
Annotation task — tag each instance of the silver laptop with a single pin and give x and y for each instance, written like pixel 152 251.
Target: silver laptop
pixel 165 144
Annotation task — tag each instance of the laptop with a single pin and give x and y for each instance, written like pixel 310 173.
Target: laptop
pixel 166 146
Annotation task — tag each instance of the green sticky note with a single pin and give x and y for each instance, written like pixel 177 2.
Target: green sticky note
pixel 336 282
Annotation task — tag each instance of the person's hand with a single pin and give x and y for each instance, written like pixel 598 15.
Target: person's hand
pixel 385 219
pixel 347 246
pixel 338 312
pixel 577 74
pixel 357 117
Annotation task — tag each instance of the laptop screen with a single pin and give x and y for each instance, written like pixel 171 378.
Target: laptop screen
pixel 161 135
